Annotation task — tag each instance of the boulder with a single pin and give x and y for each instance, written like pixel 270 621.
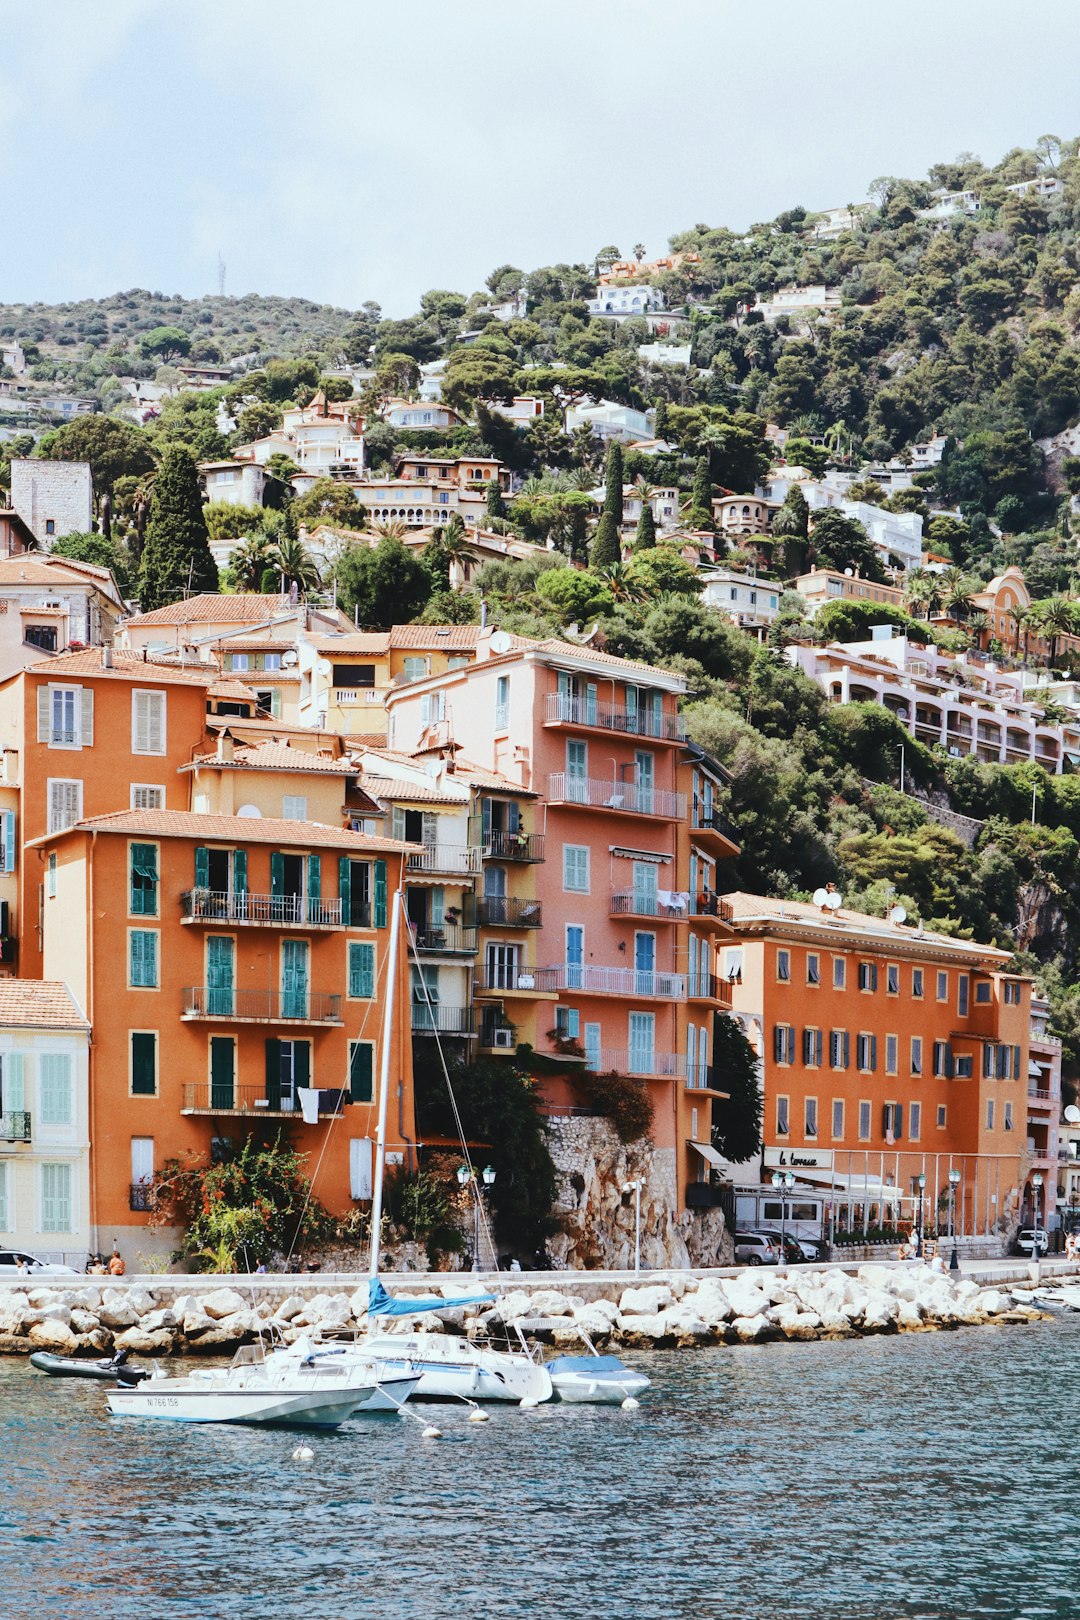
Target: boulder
pixel 14 1308
pixel 748 1329
pixel 552 1302
pixel 116 1310
pixel 599 1308
pixel 908 1316
pixel 645 1300
pixel 54 1312
pixel 711 1302
pixel 292 1305
pixel 196 1322
pixel 876 1277
pixel 83 1321
pixel 52 1334
pixel 594 1320
pixel 223 1302
pixel 803 1325
pixel 880 1313
pixel 993 1302
pixel 155 1321
pixel 144 1344
pixel 745 1297
pixel 684 1324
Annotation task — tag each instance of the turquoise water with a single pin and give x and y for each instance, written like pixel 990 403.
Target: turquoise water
pixel 922 1476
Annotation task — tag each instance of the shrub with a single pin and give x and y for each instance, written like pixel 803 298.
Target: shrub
pixel 622 1099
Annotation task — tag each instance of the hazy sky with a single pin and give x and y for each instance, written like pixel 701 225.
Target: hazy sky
pixel 352 149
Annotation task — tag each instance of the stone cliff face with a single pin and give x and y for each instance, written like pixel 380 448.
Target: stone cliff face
pixel 597 1218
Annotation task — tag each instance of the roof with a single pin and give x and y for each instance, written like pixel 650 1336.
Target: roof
pixel 463 769
pixel 228 688
pixel 762 913
pixel 236 829
pixel 390 787
pixel 374 642
pixel 38 570
pixel 240 724
pixel 122 666
pixel 457 637
pixel 274 756
pixel 213 607
pixel 39 1004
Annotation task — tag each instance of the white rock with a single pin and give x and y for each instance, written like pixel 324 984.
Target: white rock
pixel 13 1310
pixel 222 1302
pixel 83 1321
pixel 646 1327
pixel 646 1300
pixel 749 1328
pixel 993 1302
pixel 803 1325
pixel 154 1321
pixel 594 1319
pixel 598 1308
pixel 877 1277
pixel 292 1305
pixel 53 1334
pixel 683 1320
pixel 711 1302
pixel 744 1297
pixel 143 1344
pixel 552 1302
pixel 197 1322
pixel 141 1300
pixel 115 1310
pixel 908 1315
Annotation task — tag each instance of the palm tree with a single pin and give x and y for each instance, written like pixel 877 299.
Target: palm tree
pixel 1020 619
pixel 391 529
pixel 1056 618
pixel 295 564
pixel 620 584
pixel 924 590
pixel 956 593
pixel 252 557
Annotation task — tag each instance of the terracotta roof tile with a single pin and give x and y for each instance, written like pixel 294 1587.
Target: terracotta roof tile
pixel 747 909
pixel 433 637
pixel 39 1004
pixel 213 607
pixel 230 687
pixel 276 757
pixel 373 642
pixel 390 787
pixel 236 829
pixel 124 666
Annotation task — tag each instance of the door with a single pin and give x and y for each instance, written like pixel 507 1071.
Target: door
pixel 219 976
pixel 295 1061
pixel 593 1058
pixel 503 962
pixel 644 964
pixel 142 1161
pixel 425 996
pixel 222 1072
pixel 575 956
pixel 642 1029
pixel 294 978
pixel 577 772
pixel 644 889
pixel 643 781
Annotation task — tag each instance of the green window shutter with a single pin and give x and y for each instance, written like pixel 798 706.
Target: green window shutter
pixel 219 974
pixel 239 871
pixel 202 868
pixel 294 978
pixel 301 1064
pixel 144 880
pixel 380 894
pixel 345 888
pixel 361 1066
pixel 8 862
pixel 143 1053
pixel 397 822
pixel 273 1073
pixel 362 970
pixel 143 958
pixel 277 873
pixel 14 1093
pixel 222 1072
pixel 314 877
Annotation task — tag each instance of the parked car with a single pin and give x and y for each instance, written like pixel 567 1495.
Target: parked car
pixel 792 1248
pixel 1025 1240
pixel 14 1262
pixel 756 1249
pixel 799 1249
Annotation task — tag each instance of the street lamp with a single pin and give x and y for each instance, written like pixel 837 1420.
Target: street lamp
pixel 921 1228
pixel 467 1178
pixel 783 1181
pixel 635 1187
pixel 1036 1188
pixel 954 1182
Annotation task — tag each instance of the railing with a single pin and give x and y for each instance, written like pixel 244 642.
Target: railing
pixel 440 1020
pixel 707 904
pixel 629 797
pixel 15 1125
pixel 447 939
pixel 262 1006
pixel 513 846
pixel 630 904
pixel 267 910
pixel 141 1196
pixel 1040 1095
pixel 500 911
pixel 517 978
pixel 446 858
pixel 703 986
pixel 700 822
pixel 633 722
pixel 614 981
pixel 210 1097
pixel 658 1065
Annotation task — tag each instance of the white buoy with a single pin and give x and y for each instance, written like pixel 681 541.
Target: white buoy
pixel 303 1454
pixel 477 1416
pixel 401 1412
pixel 630 1405
pixel 528 1402
pixel 431 1433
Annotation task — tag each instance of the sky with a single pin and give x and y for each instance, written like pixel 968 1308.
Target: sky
pixel 354 149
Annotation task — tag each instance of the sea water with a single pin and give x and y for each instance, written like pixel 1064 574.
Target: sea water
pixel 926 1475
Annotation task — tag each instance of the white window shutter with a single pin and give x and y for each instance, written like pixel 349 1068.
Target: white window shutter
pixel 360 1162
pixel 44 714
pixel 155 727
pixel 86 718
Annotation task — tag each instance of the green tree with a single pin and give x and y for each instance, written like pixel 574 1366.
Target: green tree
pixel 737 1120
pixel 252 559
pixel 792 525
pixel 701 514
pixel 660 571
pixel 226 522
pixel 576 595
pixel 384 585
pixel 100 552
pixel 476 373
pixel 606 545
pixel 166 342
pixel 613 482
pixel 645 538
pixel 176 559
pixel 841 542
pixel 295 564
pixel 328 501
pixel 256 421
pixel 113 449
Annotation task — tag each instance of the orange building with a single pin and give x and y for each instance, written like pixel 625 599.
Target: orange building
pixel 887 1052
pixel 230 967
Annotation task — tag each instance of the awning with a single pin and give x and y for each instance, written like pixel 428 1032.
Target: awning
pixel 710 1155
pixel 861 1187
pixel 1034 1071
pixel 653 855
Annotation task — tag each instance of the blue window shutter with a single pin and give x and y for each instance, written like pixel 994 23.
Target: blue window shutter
pixel 9 841
pixel 345 888
pixel 380 894
pixel 873 1054
pixel 277 873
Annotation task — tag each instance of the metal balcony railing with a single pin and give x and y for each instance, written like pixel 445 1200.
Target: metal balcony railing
pixel 262 1006
pixel 641 1064
pixel 441 1020
pixel 629 797
pixel 15 1125
pixel 141 1196
pixel 447 939
pixel 263 910
pixel 210 1097
pixel 710 821
pixel 501 911
pixel 509 978
pixel 707 904
pixel 630 904
pixel 703 986
pixel 617 981
pixel 463 858
pixel 645 722
pixel 513 846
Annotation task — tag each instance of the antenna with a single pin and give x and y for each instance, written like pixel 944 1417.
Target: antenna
pixel 220 275
pixel 1072 1114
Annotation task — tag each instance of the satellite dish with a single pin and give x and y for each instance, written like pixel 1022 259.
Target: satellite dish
pixel 324 666
pixel 250 812
pixel 1072 1114
pixel 821 897
pixel 898 914
pixel 834 901
pixel 500 643
pixel 289 659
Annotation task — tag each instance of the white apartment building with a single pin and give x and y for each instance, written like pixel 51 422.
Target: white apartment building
pixel 750 602
pixel 610 421
pixel 622 300
pixel 799 301
pixel 894 534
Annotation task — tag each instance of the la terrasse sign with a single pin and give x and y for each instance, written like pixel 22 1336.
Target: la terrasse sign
pixel 798 1158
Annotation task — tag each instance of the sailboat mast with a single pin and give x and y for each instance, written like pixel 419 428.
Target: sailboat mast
pixel 384 1079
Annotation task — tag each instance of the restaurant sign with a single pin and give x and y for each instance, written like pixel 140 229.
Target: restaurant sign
pixel 782 1158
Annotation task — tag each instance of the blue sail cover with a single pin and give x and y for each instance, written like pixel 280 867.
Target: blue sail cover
pixel 380 1303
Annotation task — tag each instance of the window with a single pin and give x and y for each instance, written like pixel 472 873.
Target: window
pixel 943 1062
pixel 65 803
pixel 56 1198
pixel 916 1054
pixel 784 1043
pixel 271 663
pixel 781 1116
pixel 963 1067
pixel 892 1058
pixel 592 1046
pixel 361 1071
pixel 982 993
pixel 240 661
pixel 502 703
pixel 50 876
pixel 66 716
pixel 812 1048
pixel 143 878
pixel 147 796
pixel 294 807
pixel 50 525
pixel 1012 993
pixel 55 1100
pixel 143 1063
pixel 868 976
pixel 864 1122
pixel 988 1062
pixel 917 983
pixel 941 1114
pixel 432 708
pixel 576 868
pixel 838 1119
pixel 783 967
pixel 415 669
pixel 892 979
pixel 813 969
pixel 142 958
pixel 914 1121
pixel 568 1022
pixel 147 722
pixel 962 983
pixel 990 1113
pixel 892 1123
pixel 1008 1116
pixel 839 1048
pixel 866 1052
pixel 943 986
pixel 810 1117
pixel 839 973
pixel 361 970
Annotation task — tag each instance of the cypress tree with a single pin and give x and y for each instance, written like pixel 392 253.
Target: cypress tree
pixel 645 538
pixel 702 491
pixel 660 423
pixel 496 506
pixel 613 478
pixel 176 560
pixel 606 547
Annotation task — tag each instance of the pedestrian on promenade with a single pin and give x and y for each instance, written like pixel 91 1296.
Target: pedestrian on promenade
pixel 117 1267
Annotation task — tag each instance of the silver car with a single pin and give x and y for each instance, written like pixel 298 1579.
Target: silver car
pixel 16 1263
pixel 756 1249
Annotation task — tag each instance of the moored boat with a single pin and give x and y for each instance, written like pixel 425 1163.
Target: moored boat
pixel 595 1379
pixel 108 1369
pixel 249 1392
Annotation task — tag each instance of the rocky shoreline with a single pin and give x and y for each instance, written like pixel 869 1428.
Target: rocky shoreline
pixel 184 1316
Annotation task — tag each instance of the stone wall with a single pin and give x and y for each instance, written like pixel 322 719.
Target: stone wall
pixel 598 1220
pixel 57 492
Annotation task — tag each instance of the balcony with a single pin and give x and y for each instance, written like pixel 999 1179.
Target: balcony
pixel 513 846
pixel 456 859
pixel 1038 1098
pixel 15 1125
pixel 448 939
pixel 261 1006
pixel 206 1097
pixel 439 1020
pixel 510 981
pixel 702 821
pixel 628 797
pixel 499 911
pixel 703 986
pixel 642 1065
pixel 572 711
pixel 141 1196
pixel 629 904
pixel 263 910
pixel 617 981
pixel 706 904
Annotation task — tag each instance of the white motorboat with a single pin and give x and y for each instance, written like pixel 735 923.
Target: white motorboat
pixel 451 1367
pixel 595 1379
pixel 249 1391
pixel 393 1380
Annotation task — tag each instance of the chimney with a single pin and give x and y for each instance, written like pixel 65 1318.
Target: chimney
pixel 106 658
pixel 226 748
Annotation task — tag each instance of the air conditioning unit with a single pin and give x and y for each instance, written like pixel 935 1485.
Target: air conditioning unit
pixel 503 1038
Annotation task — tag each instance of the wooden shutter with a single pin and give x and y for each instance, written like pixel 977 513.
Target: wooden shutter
pixel 362 970
pixel 345 888
pixel 778 1042
pixel 86 717
pixel 314 878
pixel 202 868
pixel 143 1053
pixel 301 1064
pixel 380 894
pixel 277 873
pixel 239 871
pixel 44 714
pixel 14 1092
pixel 222 1072
pixel 361 1069
pixel 873 1054
pixel 273 1073
pixel 397 822
pixel 9 841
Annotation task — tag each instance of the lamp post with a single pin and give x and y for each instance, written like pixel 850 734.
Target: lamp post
pixel 921 1228
pixel 1036 1188
pixel 954 1182
pixel 635 1187
pixel 783 1181
pixel 468 1178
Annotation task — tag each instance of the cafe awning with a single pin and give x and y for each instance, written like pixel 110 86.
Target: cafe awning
pixel 710 1155
pixel 863 1188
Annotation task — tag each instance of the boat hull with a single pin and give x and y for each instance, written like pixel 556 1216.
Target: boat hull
pixel 313 1406
pixel 579 1390
pixel 70 1367
pixel 455 1370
